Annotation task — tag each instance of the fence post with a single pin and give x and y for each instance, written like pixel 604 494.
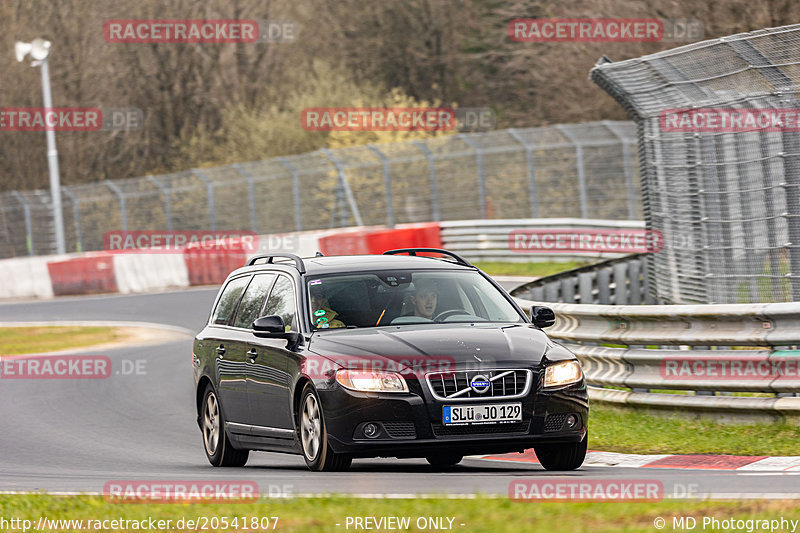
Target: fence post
pixel 167 203
pixel 481 174
pixel 212 211
pixel 251 195
pixel 433 179
pixel 298 212
pixel 345 187
pixel 26 209
pixel 76 213
pixel 627 168
pixel 387 181
pixel 123 210
pixel 531 165
pixel 580 168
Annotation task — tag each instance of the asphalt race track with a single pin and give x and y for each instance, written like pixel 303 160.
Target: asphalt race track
pixel 63 435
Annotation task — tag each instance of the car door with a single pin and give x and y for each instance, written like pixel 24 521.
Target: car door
pixel 229 363
pixel 267 379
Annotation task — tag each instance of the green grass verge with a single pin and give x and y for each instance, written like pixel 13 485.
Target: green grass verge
pixel 478 515
pixel 35 340
pixel 535 270
pixel 615 429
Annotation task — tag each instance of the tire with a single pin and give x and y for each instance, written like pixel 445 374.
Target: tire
pixel 313 436
pixel 562 456
pixel 444 460
pixel 218 447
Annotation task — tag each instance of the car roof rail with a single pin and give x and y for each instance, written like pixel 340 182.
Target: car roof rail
pixel 413 251
pixel 301 266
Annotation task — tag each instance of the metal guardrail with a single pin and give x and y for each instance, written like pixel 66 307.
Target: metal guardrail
pixel 488 240
pixel 703 357
pixel 614 282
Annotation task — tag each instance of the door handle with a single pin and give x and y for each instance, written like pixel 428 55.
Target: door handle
pixel 220 351
pixel 252 354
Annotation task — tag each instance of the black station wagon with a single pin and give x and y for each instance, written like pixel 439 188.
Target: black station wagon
pixel 413 353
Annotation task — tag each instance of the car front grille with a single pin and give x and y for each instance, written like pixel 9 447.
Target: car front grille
pixel 503 384
pixel 400 430
pixel 440 430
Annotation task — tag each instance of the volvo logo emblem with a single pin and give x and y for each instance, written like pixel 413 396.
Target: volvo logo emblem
pixel 480 384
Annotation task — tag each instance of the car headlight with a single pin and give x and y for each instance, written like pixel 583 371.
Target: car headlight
pixel 562 374
pixel 366 381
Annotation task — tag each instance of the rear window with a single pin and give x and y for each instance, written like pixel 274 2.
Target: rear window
pixel 227 302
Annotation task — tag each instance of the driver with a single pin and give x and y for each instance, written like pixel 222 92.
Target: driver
pixel 425 299
pixel 323 316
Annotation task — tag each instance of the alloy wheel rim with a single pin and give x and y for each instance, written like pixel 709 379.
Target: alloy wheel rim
pixel 211 424
pixel 311 428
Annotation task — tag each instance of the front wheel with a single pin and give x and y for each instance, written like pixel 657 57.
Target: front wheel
pixel 314 436
pixel 562 456
pixel 218 447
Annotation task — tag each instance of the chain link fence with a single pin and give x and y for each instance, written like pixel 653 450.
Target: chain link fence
pixel 577 170
pixel 726 198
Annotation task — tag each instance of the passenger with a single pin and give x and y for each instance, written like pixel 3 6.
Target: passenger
pixel 425 299
pixel 322 315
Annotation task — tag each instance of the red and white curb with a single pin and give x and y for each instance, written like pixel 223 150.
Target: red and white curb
pixel 751 463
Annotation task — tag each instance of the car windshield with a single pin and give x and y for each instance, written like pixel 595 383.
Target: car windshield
pixel 373 299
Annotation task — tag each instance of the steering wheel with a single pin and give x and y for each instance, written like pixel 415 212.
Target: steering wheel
pixel 450 312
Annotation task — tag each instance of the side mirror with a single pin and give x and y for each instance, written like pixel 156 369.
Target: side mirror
pixel 269 327
pixel 542 317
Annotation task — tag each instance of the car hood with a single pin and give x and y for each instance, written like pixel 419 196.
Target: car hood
pixel 455 346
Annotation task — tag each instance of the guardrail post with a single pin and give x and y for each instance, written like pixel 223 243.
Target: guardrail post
pixel 26 210
pixel 212 211
pixel 351 201
pixel 531 166
pixel 387 182
pixel 167 202
pixel 298 211
pixel 604 286
pixel 620 284
pixel 580 168
pixel 123 210
pixel 481 173
pixel 76 213
pixel 434 181
pixel 251 195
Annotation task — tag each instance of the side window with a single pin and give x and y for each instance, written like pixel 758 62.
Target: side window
pixel 282 303
pixel 227 302
pixel 253 300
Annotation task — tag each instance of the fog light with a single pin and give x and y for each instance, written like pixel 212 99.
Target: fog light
pixel 572 421
pixel 371 431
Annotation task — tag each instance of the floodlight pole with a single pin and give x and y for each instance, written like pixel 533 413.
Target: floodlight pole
pixel 52 163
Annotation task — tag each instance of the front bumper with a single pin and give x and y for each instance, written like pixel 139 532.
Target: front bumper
pixel 410 425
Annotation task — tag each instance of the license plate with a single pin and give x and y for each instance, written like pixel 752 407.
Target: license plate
pixel 490 413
